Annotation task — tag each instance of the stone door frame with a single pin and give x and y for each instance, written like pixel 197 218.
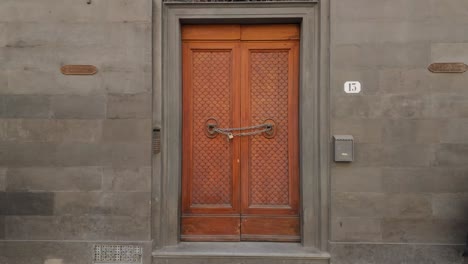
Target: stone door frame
pixel 313 16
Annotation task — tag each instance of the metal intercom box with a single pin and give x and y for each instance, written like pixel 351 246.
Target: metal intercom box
pixel 344 148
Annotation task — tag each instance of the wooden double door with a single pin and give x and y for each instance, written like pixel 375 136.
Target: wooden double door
pixel 244 186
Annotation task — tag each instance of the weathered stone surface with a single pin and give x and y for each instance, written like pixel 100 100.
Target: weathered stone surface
pixel 449 52
pixel 25 203
pixel 125 228
pixel 27 106
pixel 54 179
pixel 406 106
pixel 51 252
pixel 424 230
pixel 381 205
pixel 449 106
pixel 450 206
pixel 104 34
pixel 389 254
pixel 356 107
pixel 79 107
pixel 451 181
pixel 74 154
pixel 129 105
pixel 2 230
pixel 412 54
pixel 408 180
pixel 127 179
pixel 127 130
pixel 412 131
pixel 48 80
pixel 121 82
pixel 49 130
pixel 73 11
pixel 3 179
pixel 399 155
pixel 116 204
pixel 356 229
pixel 454 131
pixel 451 154
pixel 349 179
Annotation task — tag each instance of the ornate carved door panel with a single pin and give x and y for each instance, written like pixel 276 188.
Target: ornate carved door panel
pixel 244 188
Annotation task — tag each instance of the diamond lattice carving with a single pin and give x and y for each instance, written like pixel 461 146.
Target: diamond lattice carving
pixel 269 168
pixel 212 162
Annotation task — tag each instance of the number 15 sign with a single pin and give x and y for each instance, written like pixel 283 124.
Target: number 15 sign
pixel 352 87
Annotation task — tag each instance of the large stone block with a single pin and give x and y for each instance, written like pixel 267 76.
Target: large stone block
pixel 127 179
pixel 356 229
pixel 74 154
pixel 408 180
pixel 348 204
pixel 127 130
pixel 3 34
pixel 412 131
pixel 84 227
pixel 449 52
pixel 75 11
pixel 344 179
pixel 49 80
pixel 406 106
pixel 455 131
pixel 450 206
pixel 3 179
pixel 400 155
pixel 79 107
pixel 368 155
pixel 394 253
pixel 397 10
pixel 54 179
pixel 451 180
pixel 32 252
pixel 356 107
pixel 350 56
pixel 129 105
pixel 448 106
pixel 57 252
pixel 451 155
pixel 116 204
pixel 2 231
pixel 25 203
pixel 127 82
pixel 125 34
pixel 49 130
pixel 381 205
pixel 49 59
pixel 405 81
pixel 380 31
pixel 424 230
pixel 25 106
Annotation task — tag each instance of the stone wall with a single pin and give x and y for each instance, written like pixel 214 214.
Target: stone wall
pixel 75 161
pixel 409 183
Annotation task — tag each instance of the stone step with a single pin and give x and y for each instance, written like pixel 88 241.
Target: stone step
pixel 239 253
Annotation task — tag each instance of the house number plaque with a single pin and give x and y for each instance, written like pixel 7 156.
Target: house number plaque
pixel 456 67
pixel 78 69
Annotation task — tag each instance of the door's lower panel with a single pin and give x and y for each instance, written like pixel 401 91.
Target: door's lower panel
pixel 267 228
pixel 210 228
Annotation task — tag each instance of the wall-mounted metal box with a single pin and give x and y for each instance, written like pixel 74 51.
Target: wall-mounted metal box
pixel 344 148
